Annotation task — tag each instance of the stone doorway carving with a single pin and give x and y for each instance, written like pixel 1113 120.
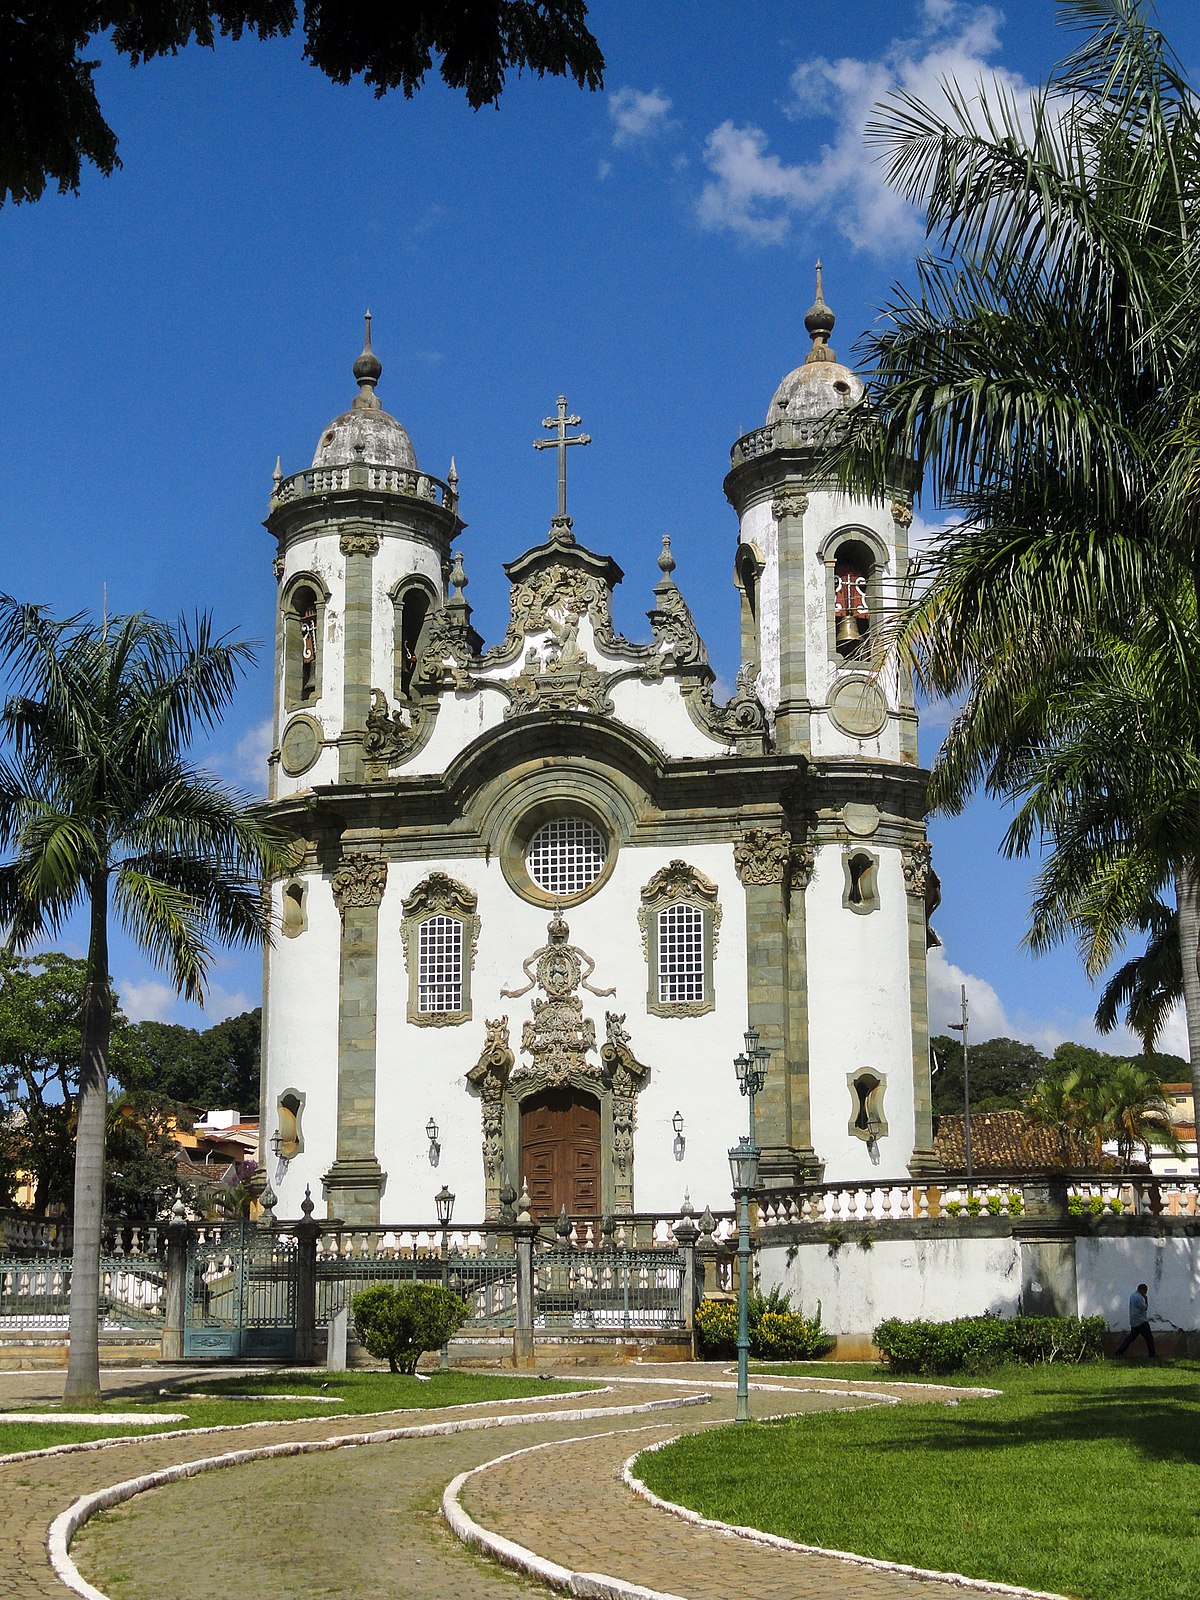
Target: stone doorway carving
pixel 560 1152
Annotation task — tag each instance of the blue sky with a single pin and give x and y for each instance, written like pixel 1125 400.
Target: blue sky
pixel 647 251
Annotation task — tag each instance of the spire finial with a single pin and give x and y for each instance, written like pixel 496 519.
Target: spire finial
pixel 367 370
pixel 666 561
pixel 819 321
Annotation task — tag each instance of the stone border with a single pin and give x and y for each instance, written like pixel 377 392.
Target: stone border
pixel 68 1523
pixel 78 1446
pixel 777 1542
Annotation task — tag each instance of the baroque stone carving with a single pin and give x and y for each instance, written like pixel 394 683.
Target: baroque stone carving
pixel 802 863
pixel 391 735
pixel 446 655
pixel 359 544
pixel 678 881
pixel 359 881
pixel 558 1037
pixel 674 630
pixel 916 863
pixel 626 1077
pixel 277 567
pixel 901 514
pixel 569 683
pixel 790 503
pixel 742 718
pixel 761 856
pixel 441 894
pixel 490 1076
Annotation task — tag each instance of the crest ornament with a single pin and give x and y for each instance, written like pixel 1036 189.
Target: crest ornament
pixel 791 503
pixel 916 863
pixel 359 881
pixel 391 735
pixel 761 856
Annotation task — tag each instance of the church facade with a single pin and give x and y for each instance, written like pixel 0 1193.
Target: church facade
pixel 544 888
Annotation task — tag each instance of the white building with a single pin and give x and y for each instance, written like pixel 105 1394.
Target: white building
pixel 547 886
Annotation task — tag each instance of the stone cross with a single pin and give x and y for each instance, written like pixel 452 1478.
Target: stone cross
pixel 561 423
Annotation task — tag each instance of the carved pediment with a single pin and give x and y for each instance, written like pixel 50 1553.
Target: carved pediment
pixel 678 881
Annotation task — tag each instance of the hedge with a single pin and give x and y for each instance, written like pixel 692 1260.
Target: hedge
pixel 974 1344
pixel 777 1333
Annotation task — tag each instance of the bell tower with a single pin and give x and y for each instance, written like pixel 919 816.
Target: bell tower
pixel 363 541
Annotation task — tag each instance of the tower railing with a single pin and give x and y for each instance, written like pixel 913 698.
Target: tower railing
pixel 365 476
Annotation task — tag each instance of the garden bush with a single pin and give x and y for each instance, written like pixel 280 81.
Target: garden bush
pixel 397 1323
pixel 975 1344
pixel 777 1333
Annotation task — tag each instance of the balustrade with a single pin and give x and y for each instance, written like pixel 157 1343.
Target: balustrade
pixel 363 475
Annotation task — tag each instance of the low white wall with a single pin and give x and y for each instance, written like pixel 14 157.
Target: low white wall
pixel 1110 1268
pixel 932 1278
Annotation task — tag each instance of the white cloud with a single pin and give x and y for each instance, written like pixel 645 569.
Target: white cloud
pixel 221 1003
pixel 757 195
pixel 151 1001
pixel 603 170
pixel 246 765
pixel 637 115
pixel 991 1019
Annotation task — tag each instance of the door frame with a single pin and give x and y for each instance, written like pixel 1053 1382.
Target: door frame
pixel 527 1088
pixel 592 1096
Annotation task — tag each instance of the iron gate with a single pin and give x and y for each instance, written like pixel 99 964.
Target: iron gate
pixel 240 1293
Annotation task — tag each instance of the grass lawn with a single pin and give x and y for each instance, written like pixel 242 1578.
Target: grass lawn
pixel 1084 1480
pixel 361 1392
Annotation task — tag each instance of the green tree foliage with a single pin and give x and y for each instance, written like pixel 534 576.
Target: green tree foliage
pixel 209 1070
pixel 398 1323
pixel 1102 1099
pixel 1042 381
pixel 140 1174
pixel 50 117
pixel 101 810
pixel 1002 1073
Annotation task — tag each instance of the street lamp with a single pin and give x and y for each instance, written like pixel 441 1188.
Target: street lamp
pixel 743 1164
pixel 444 1201
pixel 751 1069
pixel 961 1027
pixel 679 1146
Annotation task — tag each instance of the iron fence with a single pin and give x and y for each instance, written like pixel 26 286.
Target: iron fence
pixel 608 1289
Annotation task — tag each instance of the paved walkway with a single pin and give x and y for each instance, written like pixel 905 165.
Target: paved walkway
pixel 344 1522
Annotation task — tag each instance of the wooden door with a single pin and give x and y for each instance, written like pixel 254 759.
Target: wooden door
pixel 560 1153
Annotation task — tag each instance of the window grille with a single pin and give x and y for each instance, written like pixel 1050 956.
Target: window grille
pixel 680 954
pixel 566 856
pixel 440 965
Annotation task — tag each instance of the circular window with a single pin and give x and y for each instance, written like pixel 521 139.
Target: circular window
pixel 566 856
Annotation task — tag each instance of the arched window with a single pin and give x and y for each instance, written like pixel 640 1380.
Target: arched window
pixel 289 1111
pixel 852 571
pixel 747 569
pixel 295 919
pixel 413 602
pixel 440 928
pixel 861 892
pixel 867 1121
pixel 303 627
pixel 679 917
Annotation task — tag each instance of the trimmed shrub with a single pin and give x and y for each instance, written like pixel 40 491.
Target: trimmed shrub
pixel 397 1323
pixel 777 1333
pixel 975 1344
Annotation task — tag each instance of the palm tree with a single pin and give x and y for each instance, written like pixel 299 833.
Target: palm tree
pixel 1148 985
pixel 101 810
pixel 1041 379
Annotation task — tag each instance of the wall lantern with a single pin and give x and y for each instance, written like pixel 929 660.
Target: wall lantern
pixel 680 1144
pixel 435 1149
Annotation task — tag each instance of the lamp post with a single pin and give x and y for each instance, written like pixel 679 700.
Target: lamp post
pixel 751 1069
pixel 743 1164
pixel 444 1201
pixel 961 1027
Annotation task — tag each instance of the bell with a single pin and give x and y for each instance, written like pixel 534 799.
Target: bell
pixel 849 635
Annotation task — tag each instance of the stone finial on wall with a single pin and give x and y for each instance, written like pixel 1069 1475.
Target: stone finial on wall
pixel 762 856
pixel 359 881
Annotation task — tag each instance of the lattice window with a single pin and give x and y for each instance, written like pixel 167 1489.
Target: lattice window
pixel 566 856
pixel 440 965
pixel 680 954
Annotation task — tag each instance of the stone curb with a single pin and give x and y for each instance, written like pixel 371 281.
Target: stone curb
pixel 68 1523
pixel 777 1542
pixel 587 1585
pixel 81 1445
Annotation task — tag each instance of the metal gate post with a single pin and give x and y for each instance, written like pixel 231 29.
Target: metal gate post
pixel 306 1233
pixel 686 1233
pixel 525 1231
pixel 171 1347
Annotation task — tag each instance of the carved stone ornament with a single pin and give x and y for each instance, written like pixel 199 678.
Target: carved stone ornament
pixel 390 735
pixel 675 633
pixel 359 544
pixel 439 894
pixel 568 683
pixel 916 862
pixel 901 514
pixel 626 1077
pixel 359 881
pixel 558 1037
pixel 790 503
pixel 561 589
pixel 670 884
pixel 489 1076
pixel 277 567
pixel 802 863
pixel 761 856
pixel 446 655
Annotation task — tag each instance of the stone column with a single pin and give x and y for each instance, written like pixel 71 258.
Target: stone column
pixel 792 717
pixel 307 1233
pixel 358 549
pixel 915 861
pixel 525 1231
pixel 1045 1235
pixel 355 1181
pixel 801 866
pixel 762 858
pixel 176 1288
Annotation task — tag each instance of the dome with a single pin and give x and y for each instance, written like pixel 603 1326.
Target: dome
pixel 366 432
pixel 822 386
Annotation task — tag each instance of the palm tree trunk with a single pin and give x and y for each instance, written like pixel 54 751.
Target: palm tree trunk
pixel 83 1360
pixel 1187 899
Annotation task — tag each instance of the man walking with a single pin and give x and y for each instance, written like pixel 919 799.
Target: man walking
pixel 1139 1322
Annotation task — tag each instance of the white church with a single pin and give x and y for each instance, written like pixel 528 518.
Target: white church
pixel 544 887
